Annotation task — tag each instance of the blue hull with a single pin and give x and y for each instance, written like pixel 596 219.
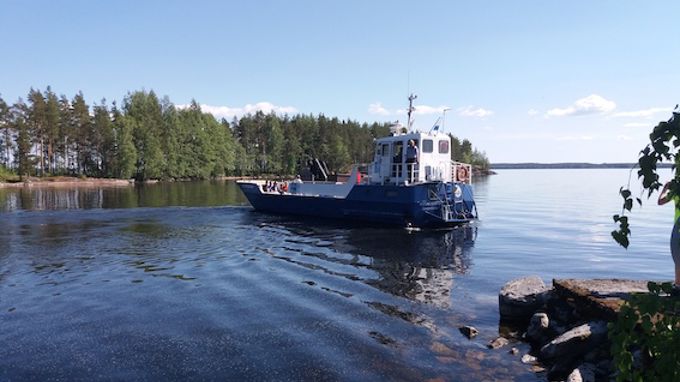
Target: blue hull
pixel 419 205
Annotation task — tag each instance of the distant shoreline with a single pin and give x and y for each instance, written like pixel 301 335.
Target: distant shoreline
pixel 68 181
pixel 64 181
pixel 566 165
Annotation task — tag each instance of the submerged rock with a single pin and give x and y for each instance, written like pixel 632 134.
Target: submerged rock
pixel 469 331
pixel 498 343
pixel 528 358
pixel 520 298
pixel 577 341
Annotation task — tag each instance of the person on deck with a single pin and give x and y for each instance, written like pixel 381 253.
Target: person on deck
pixel 411 158
pixel 664 197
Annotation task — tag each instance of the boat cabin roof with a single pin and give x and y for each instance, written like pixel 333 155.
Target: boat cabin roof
pixel 415 135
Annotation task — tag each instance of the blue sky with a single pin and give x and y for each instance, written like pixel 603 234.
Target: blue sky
pixel 540 81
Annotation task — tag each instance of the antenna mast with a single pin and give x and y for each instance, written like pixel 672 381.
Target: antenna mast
pixel 411 109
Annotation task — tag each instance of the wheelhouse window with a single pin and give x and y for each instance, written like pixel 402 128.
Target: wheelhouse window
pixel 398 151
pixel 385 150
pixel 428 145
pixel 443 147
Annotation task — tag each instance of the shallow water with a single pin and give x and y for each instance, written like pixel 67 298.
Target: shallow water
pixel 185 281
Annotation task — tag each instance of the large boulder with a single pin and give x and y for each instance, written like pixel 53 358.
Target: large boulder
pixel 520 298
pixel 599 298
pixel 576 342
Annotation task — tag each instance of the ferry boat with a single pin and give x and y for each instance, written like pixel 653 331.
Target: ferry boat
pixel 432 192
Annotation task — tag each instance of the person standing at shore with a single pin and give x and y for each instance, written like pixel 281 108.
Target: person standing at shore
pixel 664 197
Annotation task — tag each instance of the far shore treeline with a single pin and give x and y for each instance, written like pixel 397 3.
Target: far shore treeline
pixel 150 138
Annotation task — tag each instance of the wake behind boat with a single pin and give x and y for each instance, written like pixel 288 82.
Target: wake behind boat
pixel 430 191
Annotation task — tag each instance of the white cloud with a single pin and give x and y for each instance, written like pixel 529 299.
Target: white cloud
pixel 466 111
pixel 533 112
pixel 230 112
pixel 624 138
pixel 473 111
pixel 645 113
pixel 592 104
pixel 377 108
pixel 425 110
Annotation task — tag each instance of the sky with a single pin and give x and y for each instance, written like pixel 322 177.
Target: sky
pixel 524 81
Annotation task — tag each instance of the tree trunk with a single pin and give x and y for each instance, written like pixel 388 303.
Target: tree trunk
pixel 42 156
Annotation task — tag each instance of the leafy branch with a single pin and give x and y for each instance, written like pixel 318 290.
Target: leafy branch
pixel 663 146
pixel 645 336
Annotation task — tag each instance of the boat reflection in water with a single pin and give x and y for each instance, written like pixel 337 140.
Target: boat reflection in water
pixel 416 265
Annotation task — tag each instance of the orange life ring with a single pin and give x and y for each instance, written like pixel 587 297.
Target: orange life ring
pixel 462 174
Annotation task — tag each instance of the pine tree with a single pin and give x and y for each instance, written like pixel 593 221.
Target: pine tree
pixel 66 132
pixel 125 152
pixel 51 128
pixel 170 140
pixel 102 140
pixel 227 148
pixel 37 121
pixel 81 125
pixel 24 160
pixel 5 133
pixel 273 141
pixel 144 110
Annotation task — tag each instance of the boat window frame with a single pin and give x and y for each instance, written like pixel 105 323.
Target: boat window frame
pixel 385 149
pixel 428 146
pixel 446 144
pixel 398 152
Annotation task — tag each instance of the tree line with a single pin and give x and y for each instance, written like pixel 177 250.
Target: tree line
pixel 147 137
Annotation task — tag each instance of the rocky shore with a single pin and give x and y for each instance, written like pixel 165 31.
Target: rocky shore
pixel 64 181
pixel 566 323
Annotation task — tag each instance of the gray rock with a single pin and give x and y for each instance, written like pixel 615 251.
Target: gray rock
pixel 577 341
pixel 583 373
pixel 528 358
pixel 498 343
pixel 598 298
pixel 520 298
pixel 538 328
pixel 575 376
pixel 469 331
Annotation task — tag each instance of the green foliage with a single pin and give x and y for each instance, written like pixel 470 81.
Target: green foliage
pixel 149 138
pixel 80 128
pixel 664 141
pixel 6 144
pixel 463 152
pixel 648 324
pixel 6 174
pixel 126 152
pixel 24 159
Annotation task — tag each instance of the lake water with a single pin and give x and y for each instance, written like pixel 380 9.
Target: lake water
pixel 186 281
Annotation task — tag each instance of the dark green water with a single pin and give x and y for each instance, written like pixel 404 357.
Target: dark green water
pixel 204 194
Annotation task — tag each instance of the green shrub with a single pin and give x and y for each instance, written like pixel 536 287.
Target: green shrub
pixel 648 323
pixel 6 175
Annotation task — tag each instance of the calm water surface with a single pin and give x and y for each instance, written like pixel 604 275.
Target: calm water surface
pixel 186 281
